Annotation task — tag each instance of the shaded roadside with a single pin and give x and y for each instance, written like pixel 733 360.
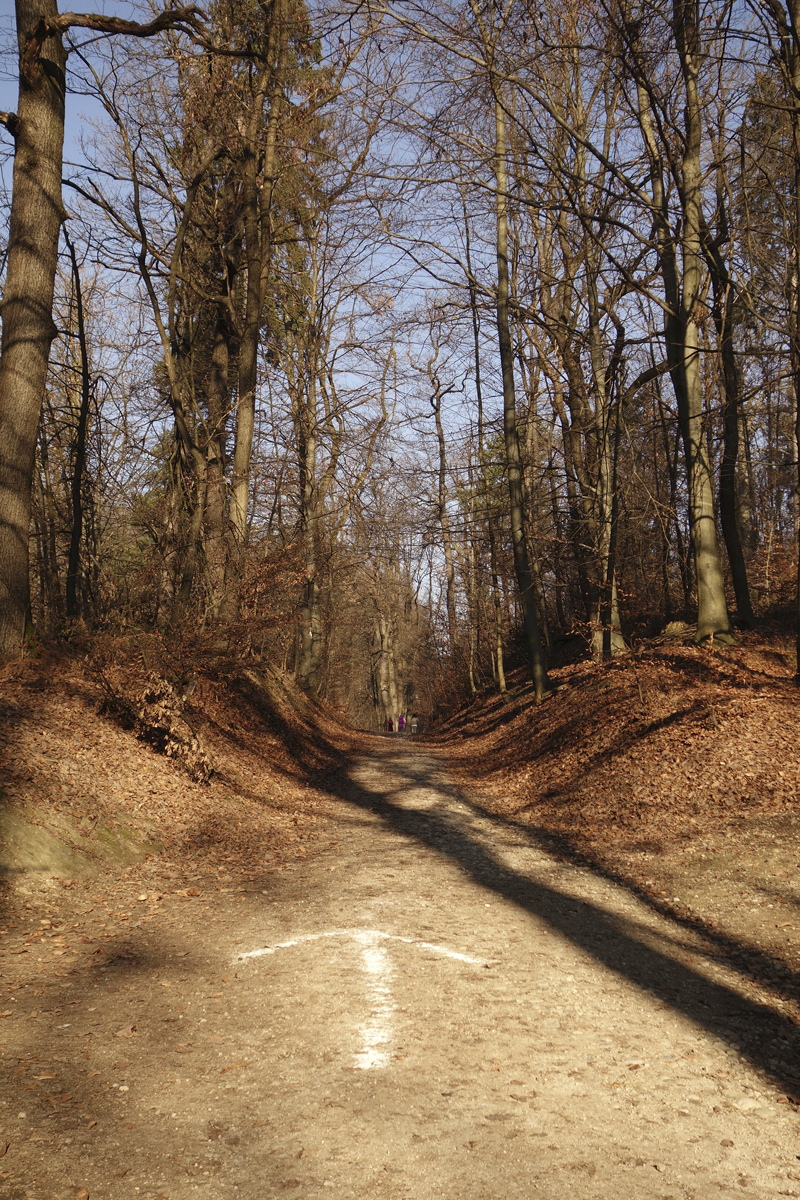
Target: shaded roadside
pixel 753 1024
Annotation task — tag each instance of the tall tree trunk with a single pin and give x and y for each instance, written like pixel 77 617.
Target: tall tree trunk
pixel 745 490
pixel 28 328
pixel 795 63
pixel 217 403
pixel 557 571
pixel 394 698
pixel 79 462
pixel 310 625
pixel 731 391
pixel 49 549
pixel 527 594
pixel 682 289
pixel 471 564
pixel 607 635
pixel 576 516
pixel 497 602
pixel 304 412
pixel 664 520
pixel 613 641
pixel 189 565
pixel 37 212
pixel 444 519
pixel 529 472
pixel 672 454
pixel 683 345
pixel 788 24
pixel 40 557
pixel 257 211
pixel 387 679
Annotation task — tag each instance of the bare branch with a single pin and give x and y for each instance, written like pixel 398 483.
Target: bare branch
pixel 189 19
pixel 11 122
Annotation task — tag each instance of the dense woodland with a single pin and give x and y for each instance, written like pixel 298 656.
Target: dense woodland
pixel 392 344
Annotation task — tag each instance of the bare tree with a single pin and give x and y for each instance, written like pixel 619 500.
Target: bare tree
pixel 36 215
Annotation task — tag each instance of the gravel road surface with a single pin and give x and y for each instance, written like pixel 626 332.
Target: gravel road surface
pixel 431 1007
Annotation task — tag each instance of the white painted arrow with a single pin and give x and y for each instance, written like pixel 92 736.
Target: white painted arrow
pixel 375 1034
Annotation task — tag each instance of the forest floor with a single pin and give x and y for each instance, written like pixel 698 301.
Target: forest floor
pixel 361 966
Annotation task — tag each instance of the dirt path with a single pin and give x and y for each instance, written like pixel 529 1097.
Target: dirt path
pixel 434 1007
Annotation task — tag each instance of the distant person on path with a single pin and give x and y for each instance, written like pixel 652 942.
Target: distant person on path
pixel 414 724
pixel 401 723
pixel 389 725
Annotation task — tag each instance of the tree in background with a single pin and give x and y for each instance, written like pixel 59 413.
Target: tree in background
pixel 401 351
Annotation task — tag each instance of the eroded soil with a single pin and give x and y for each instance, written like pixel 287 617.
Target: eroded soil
pixel 434 1004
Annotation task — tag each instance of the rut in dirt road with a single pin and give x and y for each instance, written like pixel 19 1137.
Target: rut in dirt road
pixel 437 1007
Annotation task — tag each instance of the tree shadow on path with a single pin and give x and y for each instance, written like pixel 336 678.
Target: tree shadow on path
pixel 760 1033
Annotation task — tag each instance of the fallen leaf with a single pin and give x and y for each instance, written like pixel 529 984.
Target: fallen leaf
pixel 125 1033
pixel 82 1194
pixel 8 1013
pixel 3 1147
pixel 233 1067
pixel 92 1124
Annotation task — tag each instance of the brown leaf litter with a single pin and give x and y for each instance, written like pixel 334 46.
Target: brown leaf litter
pixel 676 770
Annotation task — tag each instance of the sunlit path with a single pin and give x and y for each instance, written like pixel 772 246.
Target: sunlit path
pixel 435 1008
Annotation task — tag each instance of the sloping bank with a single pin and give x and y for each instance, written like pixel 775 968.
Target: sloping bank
pixel 102 766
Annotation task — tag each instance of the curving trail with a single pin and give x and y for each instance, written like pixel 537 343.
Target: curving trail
pixel 434 1008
